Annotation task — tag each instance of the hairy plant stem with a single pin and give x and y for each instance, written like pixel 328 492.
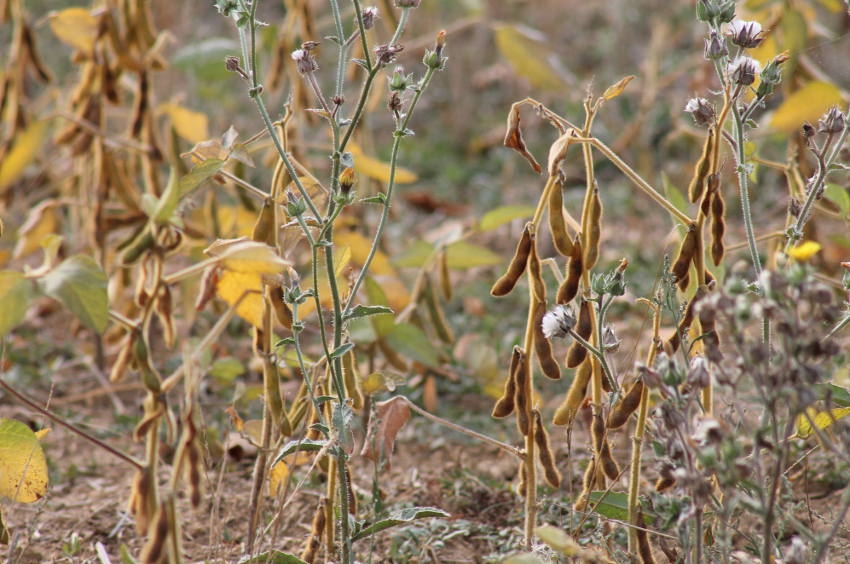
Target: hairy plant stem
pixel 744 192
pixel 399 134
pixel 637 438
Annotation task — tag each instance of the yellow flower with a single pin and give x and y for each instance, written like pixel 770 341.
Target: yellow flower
pixel 805 250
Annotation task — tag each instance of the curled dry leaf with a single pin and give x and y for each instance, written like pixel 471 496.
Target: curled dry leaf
pixel 514 140
pixel 391 417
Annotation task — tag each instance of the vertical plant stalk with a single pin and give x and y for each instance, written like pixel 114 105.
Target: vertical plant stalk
pixel 637 438
pixel 528 463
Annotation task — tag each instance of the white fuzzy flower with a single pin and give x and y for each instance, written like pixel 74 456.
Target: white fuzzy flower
pixel 558 322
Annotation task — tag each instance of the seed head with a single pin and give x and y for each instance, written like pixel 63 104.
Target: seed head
pixel 715 46
pixel 558 322
pixel 702 111
pixel 369 16
pixel 833 121
pixel 305 62
pixel 743 70
pixel 745 34
pixel 387 53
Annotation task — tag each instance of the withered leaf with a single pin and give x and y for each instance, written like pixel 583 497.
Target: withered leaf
pixel 392 414
pixel 514 140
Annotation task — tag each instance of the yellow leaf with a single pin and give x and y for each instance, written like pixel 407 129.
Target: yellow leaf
pixel 360 246
pixel 279 473
pixel 821 419
pixel 806 104
pixel 379 170
pixel 233 285
pixel 190 125
pixel 43 220
pixel 22 153
pixel 247 256
pixel 616 89
pixel 23 467
pixel 278 476
pixel 76 27
pixel 530 55
pixel 766 50
pixel 233 221
pixel 381 270
pixel 805 250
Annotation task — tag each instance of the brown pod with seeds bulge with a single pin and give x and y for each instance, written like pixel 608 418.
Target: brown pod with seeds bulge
pixel 506 283
pixel 505 405
pixel 703 165
pixel 584 327
pixel 594 230
pixel 522 396
pixel 718 227
pixel 557 225
pixel 567 411
pixel 543 347
pixel 686 255
pixel 575 268
pixel 627 405
pixel 544 452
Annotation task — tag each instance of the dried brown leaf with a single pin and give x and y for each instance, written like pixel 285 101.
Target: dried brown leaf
pixel 391 417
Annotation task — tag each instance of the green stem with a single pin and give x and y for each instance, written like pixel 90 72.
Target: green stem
pixel 382 222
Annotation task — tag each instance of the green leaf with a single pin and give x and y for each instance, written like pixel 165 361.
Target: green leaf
pixel 226 370
pixel 198 174
pixel 502 215
pixel 410 341
pixel 838 195
pixel 80 285
pixel 614 505
pixel 838 395
pixel 366 311
pixel 462 255
pixel 272 557
pixel 399 518
pixel 15 294
pixel 23 467
pixel 341 350
pixel 378 298
pixel 304 445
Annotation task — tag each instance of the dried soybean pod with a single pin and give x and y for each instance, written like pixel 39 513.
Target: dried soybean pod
pixel 584 327
pixel 522 396
pixel 544 452
pixel 566 412
pixel 685 323
pixel 280 307
pixel 351 380
pixel 506 283
pixel 664 483
pixel 575 268
pixel 155 546
pixel 317 528
pixel 505 405
pixel 718 227
pixel 522 485
pixel 435 312
pixel 686 255
pixel 445 280
pixel 644 548
pixel 626 406
pixel 594 229
pixel 703 165
pixel 557 225
pixel 543 347
pixel 264 228
pixel 609 465
pixel 538 288
pixel 587 482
